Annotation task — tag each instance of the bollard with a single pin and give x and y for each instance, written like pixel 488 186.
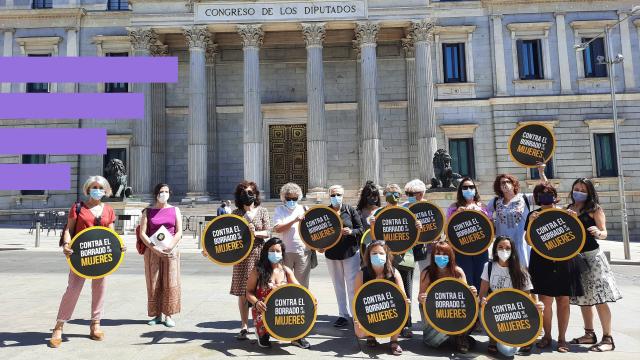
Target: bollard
pixel 199 234
pixel 38 233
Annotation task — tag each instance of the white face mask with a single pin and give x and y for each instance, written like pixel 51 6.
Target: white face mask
pixel 504 255
pixel 163 198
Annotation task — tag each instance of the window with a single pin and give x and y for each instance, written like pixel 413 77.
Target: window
pixel 114 153
pixel 605 151
pixel 38 87
pixel 33 159
pixel 548 171
pixel 454 63
pixel 116 87
pixel 42 4
pixel 118 5
pixel 462 162
pixel 530 63
pixel 590 58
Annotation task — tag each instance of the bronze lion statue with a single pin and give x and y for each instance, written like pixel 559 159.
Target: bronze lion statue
pixel 116 175
pixel 444 175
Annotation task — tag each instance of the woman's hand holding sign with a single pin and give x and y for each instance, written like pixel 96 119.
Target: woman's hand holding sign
pixel 261 306
pixel 66 250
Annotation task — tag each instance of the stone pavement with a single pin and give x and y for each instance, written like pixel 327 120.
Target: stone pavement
pixel 34 279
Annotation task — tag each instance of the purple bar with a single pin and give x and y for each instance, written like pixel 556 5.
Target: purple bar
pixel 35 177
pixel 140 69
pixel 107 106
pixel 59 141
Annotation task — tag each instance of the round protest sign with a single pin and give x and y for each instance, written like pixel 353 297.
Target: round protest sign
pixel 365 241
pixel 450 306
pixel 431 219
pixel 531 143
pixel 469 232
pixel 556 235
pixel 227 239
pixel 511 318
pixel 97 252
pixel 380 307
pixel 396 226
pixel 291 312
pixel 321 228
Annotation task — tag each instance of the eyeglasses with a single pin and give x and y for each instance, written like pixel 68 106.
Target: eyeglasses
pixel 504 182
pixel 291 198
pixel 468 187
pixel 334 195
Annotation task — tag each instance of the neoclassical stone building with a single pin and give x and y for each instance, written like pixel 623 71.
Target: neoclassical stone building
pixel 342 91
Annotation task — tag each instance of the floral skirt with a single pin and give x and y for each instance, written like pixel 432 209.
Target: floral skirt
pixel 598 281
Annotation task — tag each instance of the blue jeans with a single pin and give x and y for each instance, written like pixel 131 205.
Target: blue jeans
pixel 472 267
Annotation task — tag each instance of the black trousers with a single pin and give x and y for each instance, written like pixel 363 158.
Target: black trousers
pixel 407 280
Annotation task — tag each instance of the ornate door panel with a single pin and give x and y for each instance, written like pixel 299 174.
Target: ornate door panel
pixel 287 157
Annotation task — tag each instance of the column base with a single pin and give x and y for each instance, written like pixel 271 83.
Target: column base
pixel 196 198
pixel 317 194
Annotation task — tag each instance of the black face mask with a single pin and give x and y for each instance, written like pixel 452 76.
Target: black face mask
pixel 246 200
pixel 372 201
pixel 546 199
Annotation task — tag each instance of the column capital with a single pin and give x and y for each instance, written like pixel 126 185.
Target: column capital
pixel 11 30
pixel 159 50
pixel 314 33
pixel 408 45
pixel 496 17
pixel 142 38
pixel 367 32
pixel 196 36
pixel 422 30
pixel 252 35
pixel 559 13
pixel 211 51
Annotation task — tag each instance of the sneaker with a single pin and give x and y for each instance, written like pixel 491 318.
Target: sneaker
pixel 301 343
pixel 155 321
pixel 263 341
pixel 341 322
pixel 168 322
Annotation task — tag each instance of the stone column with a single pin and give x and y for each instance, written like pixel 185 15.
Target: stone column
pixel 252 36
pixel 197 38
pixel 499 70
pixel 627 64
pixel 366 35
pixel 412 111
pixel 314 35
pixel 212 143
pixel 7 51
pixel 422 35
pixel 159 124
pixel 72 50
pixel 142 40
pixel 563 56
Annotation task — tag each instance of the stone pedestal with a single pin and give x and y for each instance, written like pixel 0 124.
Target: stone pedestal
pixel 132 211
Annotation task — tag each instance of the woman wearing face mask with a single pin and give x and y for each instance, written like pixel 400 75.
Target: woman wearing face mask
pixel 504 271
pixel 468 198
pixel 510 209
pixel 552 279
pixel 343 260
pixel 287 221
pixel 268 274
pixel 597 281
pixel 84 215
pixel 415 190
pixel 162 266
pixel 247 198
pixel 378 265
pixel 369 203
pixel 442 264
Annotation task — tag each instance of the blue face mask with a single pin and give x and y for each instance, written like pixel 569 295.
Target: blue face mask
pixel 336 201
pixel 378 260
pixel 275 257
pixel 96 194
pixel 579 196
pixel 469 193
pixel 411 199
pixel 442 261
pixel 291 204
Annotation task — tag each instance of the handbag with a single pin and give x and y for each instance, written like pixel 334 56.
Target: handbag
pixel 140 246
pixel 66 226
pixel 313 259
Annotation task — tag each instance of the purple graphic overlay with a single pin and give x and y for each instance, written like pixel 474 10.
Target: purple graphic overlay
pixel 136 69
pixel 59 141
pixel 107 106
pixel 35 176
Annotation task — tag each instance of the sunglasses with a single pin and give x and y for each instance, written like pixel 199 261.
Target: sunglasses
pixel 291 198
pixel 334 195
pixel 97 187
pixel 395 194
pixel 468 187
pixel 409 193
pixel 505 182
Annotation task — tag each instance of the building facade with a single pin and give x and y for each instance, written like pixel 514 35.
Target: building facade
pixel 344 91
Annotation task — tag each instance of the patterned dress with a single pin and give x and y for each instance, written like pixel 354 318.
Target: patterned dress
pixel 241 271
pixel 261 293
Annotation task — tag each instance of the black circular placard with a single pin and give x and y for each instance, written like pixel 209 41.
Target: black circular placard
pixel 469 232
pixel 380 307
pixel 227 239
pixel 431 218
pixel 556 235
pixel 450 307
pixel 291 312
pixel 396 226
pixel 365 241
pixel 511 317
pixel 321 228
pixel 97 252
pixel 531 143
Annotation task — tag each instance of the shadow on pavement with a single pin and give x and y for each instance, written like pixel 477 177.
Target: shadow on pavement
pixel 31 338
pixel 109 322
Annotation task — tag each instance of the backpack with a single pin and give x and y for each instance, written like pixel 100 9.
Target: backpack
pixel 140 246
pixel 66 226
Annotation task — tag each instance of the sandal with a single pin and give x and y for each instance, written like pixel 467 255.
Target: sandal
pixel 492 349
pixel 242 335
pixel 94 334
pixel 544 343
pixel 406 333
pixel 372 342
pixel 525 350
pixel 563 347
pixel 589 338
pixel 607 340
pixel 55 342
pixel 395 348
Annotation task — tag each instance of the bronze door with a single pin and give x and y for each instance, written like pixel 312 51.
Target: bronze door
pixel 287 157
